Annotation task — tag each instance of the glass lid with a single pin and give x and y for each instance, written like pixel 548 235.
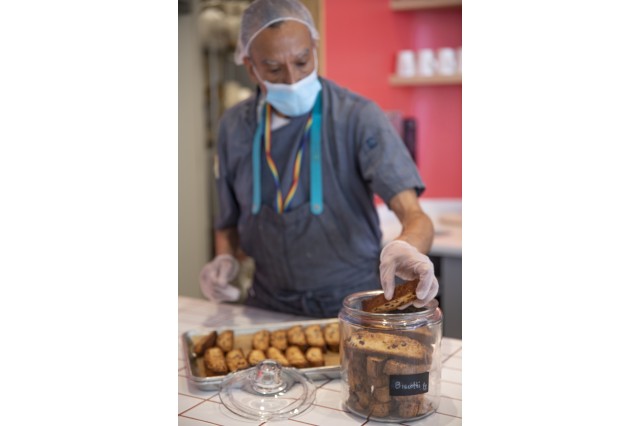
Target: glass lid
pixel 268 391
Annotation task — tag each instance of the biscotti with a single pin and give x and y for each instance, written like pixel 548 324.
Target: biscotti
pixel 331 334
pixel 255 357
pixel 215 362
pixel 296 357
pixel 236 360
pixel 386 344
pixel 402 294
pixel 200 347
pixel 377 360
pixel 318 344
pixel 225 340
pixel 278 339
pixel 296 337
pixel 260 340
pixel 314 357
pixel 276 355
pixel 313 334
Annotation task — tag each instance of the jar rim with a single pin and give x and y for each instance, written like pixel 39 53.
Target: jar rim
pixel 352 304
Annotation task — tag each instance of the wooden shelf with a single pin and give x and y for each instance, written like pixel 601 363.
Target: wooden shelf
pixel 426 81
pixel 422 4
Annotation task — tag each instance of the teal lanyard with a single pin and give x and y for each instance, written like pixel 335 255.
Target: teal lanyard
pixel 315 158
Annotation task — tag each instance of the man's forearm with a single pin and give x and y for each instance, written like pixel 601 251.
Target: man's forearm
pixel 417 228
pixel 227 241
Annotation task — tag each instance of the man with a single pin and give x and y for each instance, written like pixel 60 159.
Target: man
pixel 299 164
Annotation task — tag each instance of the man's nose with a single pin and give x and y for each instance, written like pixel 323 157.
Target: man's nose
pixel 290 76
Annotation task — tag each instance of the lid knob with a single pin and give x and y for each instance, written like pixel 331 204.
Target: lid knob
pixel 268 378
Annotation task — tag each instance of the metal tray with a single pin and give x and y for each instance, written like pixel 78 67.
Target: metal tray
pixel 243 338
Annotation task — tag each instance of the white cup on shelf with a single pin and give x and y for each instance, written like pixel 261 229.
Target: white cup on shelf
pixel 447 63
pixel 426 62
pixel 406 63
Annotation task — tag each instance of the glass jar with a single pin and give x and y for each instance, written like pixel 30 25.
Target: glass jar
pixel 390 363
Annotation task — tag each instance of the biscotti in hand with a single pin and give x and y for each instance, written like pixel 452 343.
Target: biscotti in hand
pixel 402 295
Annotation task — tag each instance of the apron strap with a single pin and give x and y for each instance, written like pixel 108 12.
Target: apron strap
pixel 316 157
pixel 315 160
pixel 256 157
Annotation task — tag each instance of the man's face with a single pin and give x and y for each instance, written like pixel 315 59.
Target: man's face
pixel 283 54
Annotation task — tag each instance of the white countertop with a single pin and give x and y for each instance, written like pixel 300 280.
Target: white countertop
pixel 200 408
pixel 446 215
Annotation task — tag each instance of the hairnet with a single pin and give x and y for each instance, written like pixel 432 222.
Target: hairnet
pixel 262 13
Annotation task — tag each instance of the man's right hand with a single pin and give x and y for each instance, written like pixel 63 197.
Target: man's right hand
pixel 216 276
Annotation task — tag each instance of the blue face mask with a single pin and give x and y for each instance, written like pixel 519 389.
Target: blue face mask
pixel 293 99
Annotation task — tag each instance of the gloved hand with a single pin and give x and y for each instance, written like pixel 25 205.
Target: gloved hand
pixel 404 260
pixel 216 276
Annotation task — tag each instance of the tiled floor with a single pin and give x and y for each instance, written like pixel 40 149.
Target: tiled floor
pixel 200 408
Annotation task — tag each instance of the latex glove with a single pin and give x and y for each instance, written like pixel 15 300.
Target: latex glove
pixel 404 260
pixel 216 276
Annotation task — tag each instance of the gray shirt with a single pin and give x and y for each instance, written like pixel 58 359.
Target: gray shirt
pixel 362 155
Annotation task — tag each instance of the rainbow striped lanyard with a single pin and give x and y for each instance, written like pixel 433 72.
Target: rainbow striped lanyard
pixel 282 205
pixel 312 133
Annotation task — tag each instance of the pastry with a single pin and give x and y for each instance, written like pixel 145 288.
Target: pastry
pixel 295 357
pixel 313 334
pixel 296 337
pixel 315 357
pixel 236 360
pixel 215 362
pixel 393 366
pixel 380 409
pixel 403 294
pixel 225 341
pixel 385 344
pixel 276 355
pixel 255 357
pixel 331 334
pixel 260 340
pixel 204 343
pixel 278 339
pixel 412 406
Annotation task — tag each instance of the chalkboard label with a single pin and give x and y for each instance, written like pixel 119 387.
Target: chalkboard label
pixel 408 384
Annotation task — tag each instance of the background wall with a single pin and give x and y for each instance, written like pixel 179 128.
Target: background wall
pixel 361 41
pixel 193 171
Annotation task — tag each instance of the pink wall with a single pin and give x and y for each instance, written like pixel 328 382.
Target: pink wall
pixel 361 40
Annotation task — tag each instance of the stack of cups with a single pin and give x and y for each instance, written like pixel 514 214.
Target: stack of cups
pixel 447 63
pixel 406 63
pixel 429 62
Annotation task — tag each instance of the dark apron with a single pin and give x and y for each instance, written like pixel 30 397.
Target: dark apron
pixel 303 262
